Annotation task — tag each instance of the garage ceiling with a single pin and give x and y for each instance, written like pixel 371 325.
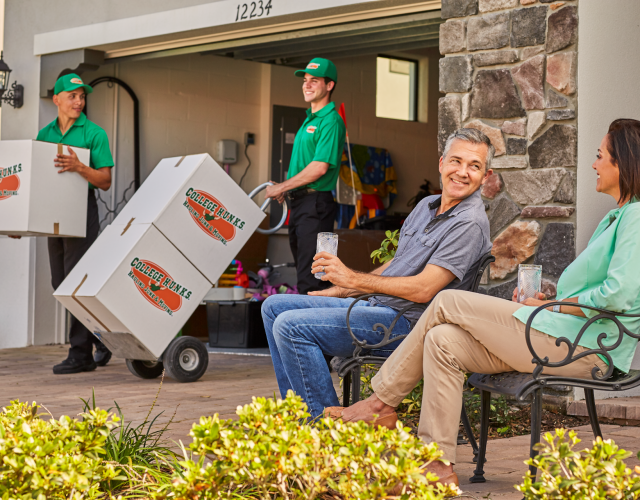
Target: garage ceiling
pixel 293 48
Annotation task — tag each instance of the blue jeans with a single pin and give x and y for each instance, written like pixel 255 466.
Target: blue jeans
pixel 301 328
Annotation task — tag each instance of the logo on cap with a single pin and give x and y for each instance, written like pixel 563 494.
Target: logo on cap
pixel 313 66
pixel 311 129
pixel 77 80
pixel 10 181
pixel 157 286
pixel 212 216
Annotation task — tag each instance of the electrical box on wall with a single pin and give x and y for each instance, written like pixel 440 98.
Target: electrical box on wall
pixel 227 152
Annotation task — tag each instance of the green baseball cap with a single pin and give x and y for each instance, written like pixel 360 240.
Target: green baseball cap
pixel 320 67
pixel 67 83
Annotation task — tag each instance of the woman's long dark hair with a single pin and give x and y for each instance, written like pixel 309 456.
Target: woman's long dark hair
pixel 624 148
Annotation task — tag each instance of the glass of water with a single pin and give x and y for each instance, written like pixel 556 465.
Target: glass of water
pixel 327 242
pixel 529 281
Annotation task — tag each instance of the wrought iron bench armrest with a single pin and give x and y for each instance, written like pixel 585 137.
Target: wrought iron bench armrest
pixel 570 358
pixel 386 340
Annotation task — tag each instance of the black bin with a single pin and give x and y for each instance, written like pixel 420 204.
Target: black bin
pixel 235 324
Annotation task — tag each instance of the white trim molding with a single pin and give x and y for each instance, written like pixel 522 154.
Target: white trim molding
pixel 176 24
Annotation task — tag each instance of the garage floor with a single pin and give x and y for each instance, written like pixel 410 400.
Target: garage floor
pixel 230 381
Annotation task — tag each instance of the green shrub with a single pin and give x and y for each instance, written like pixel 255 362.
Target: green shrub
pixel 595 473
pixel 137 452
pixel 273 451
pixel 52 459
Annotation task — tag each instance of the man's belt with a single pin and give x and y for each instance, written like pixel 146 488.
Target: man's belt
pixel 300 193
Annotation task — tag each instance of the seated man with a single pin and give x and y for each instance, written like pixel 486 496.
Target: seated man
pixel 469 332
pixel 440 244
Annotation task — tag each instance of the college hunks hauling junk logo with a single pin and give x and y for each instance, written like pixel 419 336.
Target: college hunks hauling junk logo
pixel 157 286
pixel 211 216
pixel 10 181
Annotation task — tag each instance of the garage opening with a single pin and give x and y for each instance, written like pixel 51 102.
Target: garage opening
pixel 192 98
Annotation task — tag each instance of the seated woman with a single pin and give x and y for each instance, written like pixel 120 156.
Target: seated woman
pixel 468 332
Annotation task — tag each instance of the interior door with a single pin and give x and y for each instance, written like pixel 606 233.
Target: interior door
pixel 287 121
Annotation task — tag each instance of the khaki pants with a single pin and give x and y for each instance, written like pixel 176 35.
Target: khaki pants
pixel 464 332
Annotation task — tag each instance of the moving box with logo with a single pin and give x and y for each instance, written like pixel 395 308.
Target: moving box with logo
pixel 148 271
pixel 35 200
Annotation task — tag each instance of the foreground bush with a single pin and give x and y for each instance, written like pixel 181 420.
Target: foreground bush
pixel 52 459
pixel 270 452
pixel 595 473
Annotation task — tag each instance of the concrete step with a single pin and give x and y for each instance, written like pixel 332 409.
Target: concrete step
pixel 623 411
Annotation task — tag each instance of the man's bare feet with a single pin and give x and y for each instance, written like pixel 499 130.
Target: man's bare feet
pixel 366 409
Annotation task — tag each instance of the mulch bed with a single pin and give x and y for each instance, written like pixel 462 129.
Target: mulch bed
pixel 520 424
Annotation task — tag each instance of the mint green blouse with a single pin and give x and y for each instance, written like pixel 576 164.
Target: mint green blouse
pixel 605 275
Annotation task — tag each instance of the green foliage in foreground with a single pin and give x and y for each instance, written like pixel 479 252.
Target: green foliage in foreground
pixel 138 454
pixel 595 473
pixel 52 459
pixel 272 452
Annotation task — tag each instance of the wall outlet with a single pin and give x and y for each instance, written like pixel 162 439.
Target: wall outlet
pixel 249 138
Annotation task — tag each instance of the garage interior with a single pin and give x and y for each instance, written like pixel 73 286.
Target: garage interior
pixel 192 97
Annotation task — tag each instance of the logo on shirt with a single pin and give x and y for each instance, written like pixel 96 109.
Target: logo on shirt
pixel 313 66
pixel 311 129
pixel 211 216
pixel 10 181
pixel 157 286
pixel 77 80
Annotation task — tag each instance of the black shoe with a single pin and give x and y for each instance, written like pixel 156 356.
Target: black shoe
pixel 102 355
pixel 74 366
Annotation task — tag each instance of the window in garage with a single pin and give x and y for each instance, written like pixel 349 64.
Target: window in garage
pixel 396 88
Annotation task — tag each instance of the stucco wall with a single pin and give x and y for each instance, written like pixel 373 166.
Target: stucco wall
pixel 608 72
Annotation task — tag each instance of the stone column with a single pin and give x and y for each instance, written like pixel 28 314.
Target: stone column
pixel 510 70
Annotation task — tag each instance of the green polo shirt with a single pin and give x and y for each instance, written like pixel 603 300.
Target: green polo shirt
pixel 82 134
pixel 321 138
pixel 604 275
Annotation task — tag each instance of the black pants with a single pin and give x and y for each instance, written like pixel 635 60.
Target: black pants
pixel 64 254
pixel 310 215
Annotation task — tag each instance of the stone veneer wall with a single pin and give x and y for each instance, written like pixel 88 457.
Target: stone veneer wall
pixel 510 70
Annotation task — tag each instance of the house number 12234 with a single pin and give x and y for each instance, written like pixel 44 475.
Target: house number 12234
pixel 253 10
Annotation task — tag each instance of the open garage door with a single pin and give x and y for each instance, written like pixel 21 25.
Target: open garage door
pixel 294 48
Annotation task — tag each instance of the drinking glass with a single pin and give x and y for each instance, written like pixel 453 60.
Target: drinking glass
pixel 529 281
pixel 327 242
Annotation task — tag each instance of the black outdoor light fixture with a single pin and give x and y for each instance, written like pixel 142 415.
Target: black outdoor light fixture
pixel 14 97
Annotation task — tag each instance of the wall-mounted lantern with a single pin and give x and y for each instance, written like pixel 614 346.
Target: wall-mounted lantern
pixel 14 97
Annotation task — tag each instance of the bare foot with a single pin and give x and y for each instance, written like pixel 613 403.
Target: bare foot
pixel 364 410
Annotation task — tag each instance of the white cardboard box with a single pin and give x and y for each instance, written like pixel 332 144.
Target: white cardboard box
pixel 35 200
pixel 199 208
pixel 134 290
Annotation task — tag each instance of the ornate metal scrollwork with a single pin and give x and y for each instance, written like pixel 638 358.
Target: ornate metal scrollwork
pixel 603 350
pixel 14 96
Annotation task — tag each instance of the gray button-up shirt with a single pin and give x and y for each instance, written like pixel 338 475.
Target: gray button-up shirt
pixel 454 240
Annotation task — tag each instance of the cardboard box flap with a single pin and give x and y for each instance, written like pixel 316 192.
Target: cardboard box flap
pixel 163 184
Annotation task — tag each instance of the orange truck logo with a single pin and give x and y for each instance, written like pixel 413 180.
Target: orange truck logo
pixel 157 286
pixel 10 181
pixel 77 80
pixel 313 66
pixel 311 129
pixel 211 216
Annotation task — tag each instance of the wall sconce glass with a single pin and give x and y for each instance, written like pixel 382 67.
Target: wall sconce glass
pixel 13 96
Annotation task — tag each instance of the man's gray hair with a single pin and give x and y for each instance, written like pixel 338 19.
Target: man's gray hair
pixel 474 136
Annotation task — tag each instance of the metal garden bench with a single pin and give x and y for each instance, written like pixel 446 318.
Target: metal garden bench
pixel 529 386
